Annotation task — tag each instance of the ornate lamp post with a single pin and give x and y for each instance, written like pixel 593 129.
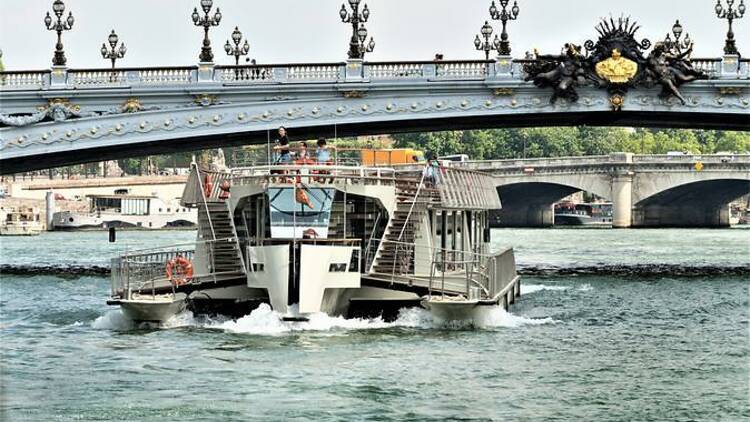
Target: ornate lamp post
pixel 730 14
pixel 237 51
pixel 58 7
pixel 678 44
pixel 504 16
pixel 113 53
pixel 357 45
pixel 486 45
pixel 206 22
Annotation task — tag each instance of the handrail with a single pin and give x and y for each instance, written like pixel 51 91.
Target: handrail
pixel 205 203
pixel 369 242
pixel 411 209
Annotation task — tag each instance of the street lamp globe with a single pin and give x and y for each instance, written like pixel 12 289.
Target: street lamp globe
pixel 113 38
pixel 741 7
pixel 677 30
pixel 477 42
pixel 236 35
pixel 486 29
pixel 206 5
pixel 371 45
pixel 71 20
pixel 228 47
pixel 195 15
pixel 718 8
pixel 58 7
pixel 48 20
pixel 493 9
pixel 217 16
pixel 104 50
pixel 342 13
pixel 362 33
pixel 246 47
pixel 353 3
pixel 123 49
pixel 365 13
pixel 515 9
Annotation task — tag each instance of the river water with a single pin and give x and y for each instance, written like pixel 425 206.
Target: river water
pixel 613 325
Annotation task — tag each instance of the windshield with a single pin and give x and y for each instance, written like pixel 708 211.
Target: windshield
pixel 301 212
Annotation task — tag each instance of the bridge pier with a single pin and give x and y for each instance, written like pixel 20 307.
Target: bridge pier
pixel 622 201
pixel 530 215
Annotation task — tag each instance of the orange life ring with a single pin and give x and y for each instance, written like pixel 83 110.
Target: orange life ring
pixel 208 185
pixel 179 270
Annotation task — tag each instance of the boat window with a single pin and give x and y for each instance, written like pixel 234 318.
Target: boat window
pixel 337 268
pixel 354 262
pixel 135 206
pixel 302 212
pixel 258 267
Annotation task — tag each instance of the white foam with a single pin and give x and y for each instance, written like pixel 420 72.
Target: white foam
pixel 496 316
pixel 585 288
pixel 265 321
pixel 113 320
pixel 533 288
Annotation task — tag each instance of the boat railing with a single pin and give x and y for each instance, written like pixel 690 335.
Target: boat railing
pixel 144 271
pixel 490 273
pixel 313 174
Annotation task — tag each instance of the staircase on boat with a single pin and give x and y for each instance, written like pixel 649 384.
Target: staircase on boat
pixel 396 254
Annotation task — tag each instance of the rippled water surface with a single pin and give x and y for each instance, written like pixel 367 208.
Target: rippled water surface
pixel 600 348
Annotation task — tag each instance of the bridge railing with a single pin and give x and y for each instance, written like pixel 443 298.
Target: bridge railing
pixel 692 158
pixel 532 162
pixel 25 80
pixel 432 71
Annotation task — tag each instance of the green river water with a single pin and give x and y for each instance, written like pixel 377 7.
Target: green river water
pixel 612 325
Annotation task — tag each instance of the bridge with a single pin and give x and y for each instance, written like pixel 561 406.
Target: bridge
pixel 63 116
pixel 645 190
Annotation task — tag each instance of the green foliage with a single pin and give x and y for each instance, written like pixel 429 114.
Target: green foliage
pixel 493 144
pixel 573 141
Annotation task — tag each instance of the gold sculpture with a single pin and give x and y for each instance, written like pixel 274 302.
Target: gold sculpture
pixel 617 69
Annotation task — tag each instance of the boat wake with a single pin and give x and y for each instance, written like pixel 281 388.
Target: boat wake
pixel 267 322
pixel 533 288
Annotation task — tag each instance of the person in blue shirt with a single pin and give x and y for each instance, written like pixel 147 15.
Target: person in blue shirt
pixel 324 154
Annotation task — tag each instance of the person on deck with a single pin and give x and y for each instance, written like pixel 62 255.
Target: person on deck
pixel 431 171
pixel 282 147
pixel 303 157
pixel 324 154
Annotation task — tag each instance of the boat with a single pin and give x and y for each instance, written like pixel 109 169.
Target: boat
pixel 23 221
pixel 124 211
pixel 583 214
pixel 344 240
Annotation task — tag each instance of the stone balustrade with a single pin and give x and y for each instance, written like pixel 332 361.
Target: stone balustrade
pixel 716 68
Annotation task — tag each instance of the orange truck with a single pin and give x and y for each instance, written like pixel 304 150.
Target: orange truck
pixel 389 157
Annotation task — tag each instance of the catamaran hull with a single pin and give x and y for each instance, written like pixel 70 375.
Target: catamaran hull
pixel 157 311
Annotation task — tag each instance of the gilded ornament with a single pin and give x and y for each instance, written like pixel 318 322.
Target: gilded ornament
pixel 617 101
pixel 354 94
pixel 730 90
pixel 205 100
pixel 503 92
pixel 617 69
pixel 131 105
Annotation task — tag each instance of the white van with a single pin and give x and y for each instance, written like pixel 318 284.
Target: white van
pixel 460 158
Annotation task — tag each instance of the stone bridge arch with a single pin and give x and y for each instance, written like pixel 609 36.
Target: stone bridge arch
pixel 528 201
pixel 698 203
